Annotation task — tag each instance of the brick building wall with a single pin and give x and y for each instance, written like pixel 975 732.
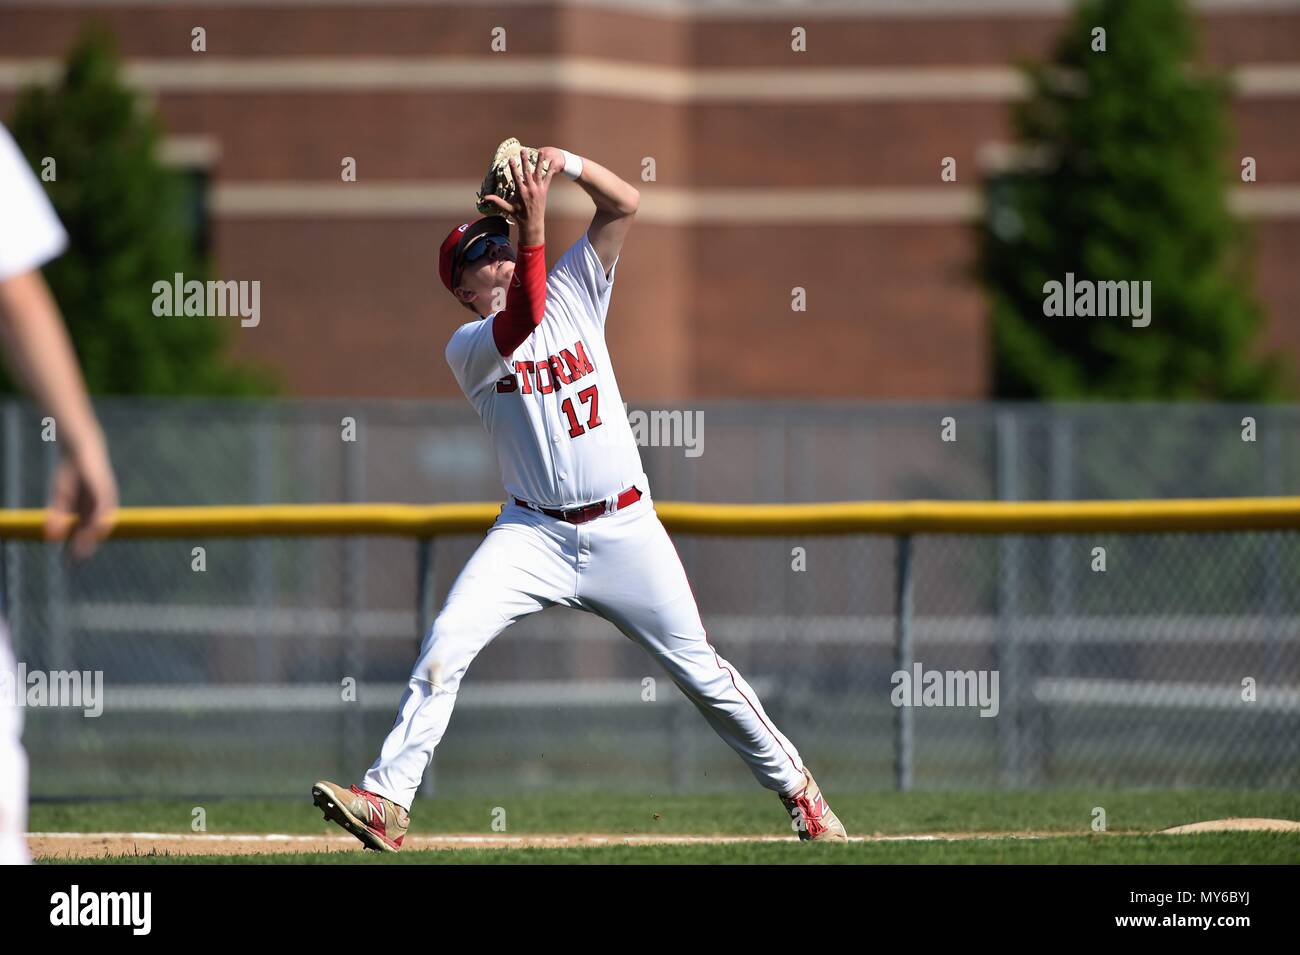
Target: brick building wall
pixel 773 170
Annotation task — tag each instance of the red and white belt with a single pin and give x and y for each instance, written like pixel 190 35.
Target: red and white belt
pixel 586 512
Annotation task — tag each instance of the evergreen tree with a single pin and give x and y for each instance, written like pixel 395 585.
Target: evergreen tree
pixel 125 214
pixel 1125 179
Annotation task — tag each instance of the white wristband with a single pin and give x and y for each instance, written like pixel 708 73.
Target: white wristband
pixel 572 164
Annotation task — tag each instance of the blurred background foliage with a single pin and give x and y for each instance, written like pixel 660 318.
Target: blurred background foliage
pixel 1123 177
pixel 130 224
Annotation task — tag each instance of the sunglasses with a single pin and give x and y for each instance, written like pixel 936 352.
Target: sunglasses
pixel 479 248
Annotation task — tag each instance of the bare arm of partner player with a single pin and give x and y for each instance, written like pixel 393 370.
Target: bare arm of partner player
pixel 41 354
pixel 616 204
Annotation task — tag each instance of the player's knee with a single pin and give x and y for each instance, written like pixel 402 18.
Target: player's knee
pixel 703 687
pixel 451 645
pixel 443 670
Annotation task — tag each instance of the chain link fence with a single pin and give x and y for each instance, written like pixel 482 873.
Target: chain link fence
pixel 253 667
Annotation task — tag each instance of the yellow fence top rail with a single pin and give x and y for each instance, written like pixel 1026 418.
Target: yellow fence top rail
pixel 860 517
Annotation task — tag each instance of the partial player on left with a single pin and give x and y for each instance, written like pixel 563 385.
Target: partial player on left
pixel 83 495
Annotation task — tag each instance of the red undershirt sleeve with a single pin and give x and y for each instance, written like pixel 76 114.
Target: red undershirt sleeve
pixel 525 302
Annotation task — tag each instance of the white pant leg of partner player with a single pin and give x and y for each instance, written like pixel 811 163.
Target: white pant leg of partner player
pixel 13 762
pixel 622 567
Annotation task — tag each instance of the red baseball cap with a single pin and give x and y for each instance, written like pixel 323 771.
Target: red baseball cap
pixel 453 247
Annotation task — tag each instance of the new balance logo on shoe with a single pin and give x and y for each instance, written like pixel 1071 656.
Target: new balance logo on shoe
pixel 379 823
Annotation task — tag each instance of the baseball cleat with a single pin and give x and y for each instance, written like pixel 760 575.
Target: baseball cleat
pixel 810 816
pixel 378 822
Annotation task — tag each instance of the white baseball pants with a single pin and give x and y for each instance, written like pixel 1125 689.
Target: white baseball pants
pixel 622 567
pixel 13 765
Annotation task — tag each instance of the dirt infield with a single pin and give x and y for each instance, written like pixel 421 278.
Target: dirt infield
pixel 1236 825
pixel 83 845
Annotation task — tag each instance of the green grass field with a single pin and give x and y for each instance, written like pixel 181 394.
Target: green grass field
pixel 1059 820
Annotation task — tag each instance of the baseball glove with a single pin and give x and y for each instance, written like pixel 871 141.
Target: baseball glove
pixel 500 181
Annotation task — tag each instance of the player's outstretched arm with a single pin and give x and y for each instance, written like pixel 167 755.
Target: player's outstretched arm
pixel 616 203
pixel 32 331
pixel 525 303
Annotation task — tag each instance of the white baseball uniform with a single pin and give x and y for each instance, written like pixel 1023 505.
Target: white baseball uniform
pixel 562 438
pixel 30 235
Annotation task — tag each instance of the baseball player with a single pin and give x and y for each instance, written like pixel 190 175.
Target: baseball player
pixel 578 528
pixel 38 349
